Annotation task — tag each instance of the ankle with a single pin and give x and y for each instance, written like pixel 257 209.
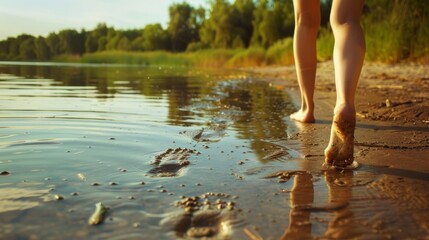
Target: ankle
pixel 345 111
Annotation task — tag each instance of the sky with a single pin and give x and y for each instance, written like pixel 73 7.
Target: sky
pixel 41 17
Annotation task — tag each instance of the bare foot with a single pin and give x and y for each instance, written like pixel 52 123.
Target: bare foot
pixel 339 152
pixel 304 117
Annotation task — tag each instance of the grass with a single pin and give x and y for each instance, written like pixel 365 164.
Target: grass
pixel 280 53
pixel 158 58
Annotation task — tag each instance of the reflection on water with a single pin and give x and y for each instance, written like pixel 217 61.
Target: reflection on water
pixel 115 126
pixel 171 151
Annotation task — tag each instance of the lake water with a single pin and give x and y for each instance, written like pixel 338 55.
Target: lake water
pixel 139 139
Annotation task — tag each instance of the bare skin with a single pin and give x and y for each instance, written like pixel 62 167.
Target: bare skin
pixel 349 51
pixel 307 19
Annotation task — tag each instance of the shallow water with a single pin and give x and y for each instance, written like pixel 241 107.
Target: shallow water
pixel 139 138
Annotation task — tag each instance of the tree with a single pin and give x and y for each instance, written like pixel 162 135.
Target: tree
pixel 41 49
pixel 184 25
pixel 26 49
pixel 258 17
pixel 155 38
pixel 245 10
pixel 71 42
pixel 93 38
pixel 53 42
pixel 221 29
pixel 124 44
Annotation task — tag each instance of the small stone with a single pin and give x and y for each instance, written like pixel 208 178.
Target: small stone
pixel 4 173
pixel 95 184
pixel 59 197
pixel 131 197
pixel 74 193
pixel 388 103
pixel 136 225
pixel 113 183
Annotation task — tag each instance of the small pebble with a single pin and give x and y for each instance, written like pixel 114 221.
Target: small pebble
pixel 136 225
pixel 131 197
pixel 113 183
pixel 95 184
pixel 59 197
pixel 4 173
pixel 74 193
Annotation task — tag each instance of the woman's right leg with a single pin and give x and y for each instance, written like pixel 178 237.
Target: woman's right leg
pixel 307 22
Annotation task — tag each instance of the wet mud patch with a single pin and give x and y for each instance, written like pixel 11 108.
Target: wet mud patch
pixel 211 215
pixel 171 162
pixel 403 193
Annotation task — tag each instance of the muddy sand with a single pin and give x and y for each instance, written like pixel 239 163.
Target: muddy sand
pixel 391 142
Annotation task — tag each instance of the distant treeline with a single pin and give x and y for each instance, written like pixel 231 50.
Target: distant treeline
pixel 395 29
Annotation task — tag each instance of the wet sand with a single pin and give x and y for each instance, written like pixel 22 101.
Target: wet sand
pixel 236 169
pixel 391 146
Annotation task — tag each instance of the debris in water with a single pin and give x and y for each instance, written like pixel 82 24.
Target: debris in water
pixel 81 176
pixel 98 216
pixel 59 197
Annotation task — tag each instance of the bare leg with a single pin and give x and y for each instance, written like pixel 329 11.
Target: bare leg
pixel 349 53
pixel 307 22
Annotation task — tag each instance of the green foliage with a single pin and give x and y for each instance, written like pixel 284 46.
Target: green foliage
pixel 397 30
pixel 325 44
pixel 211 57
pixel 184 24
pixel 239 30
pixel 158 58
pixel 272 21
pixel 251 57
pixel 155 38
pixel 281 53
pixel 219 31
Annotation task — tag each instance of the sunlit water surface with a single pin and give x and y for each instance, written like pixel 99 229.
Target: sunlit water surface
pixel 91 133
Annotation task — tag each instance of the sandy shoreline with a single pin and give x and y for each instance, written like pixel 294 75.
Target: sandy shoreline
pixel 392 110
pixel 391 138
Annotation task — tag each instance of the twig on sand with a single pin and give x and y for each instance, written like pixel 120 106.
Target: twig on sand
pixel 252 235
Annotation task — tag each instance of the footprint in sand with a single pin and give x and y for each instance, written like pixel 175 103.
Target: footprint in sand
pixel 171 162
pixel 203 218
